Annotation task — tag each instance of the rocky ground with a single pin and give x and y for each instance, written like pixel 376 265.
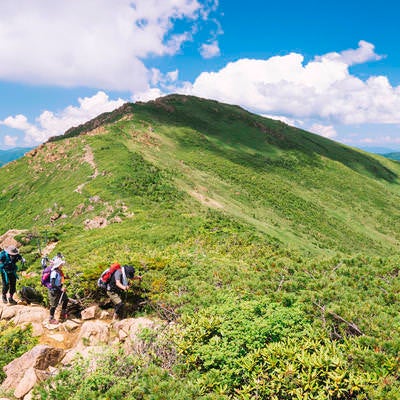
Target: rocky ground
pixel 59 344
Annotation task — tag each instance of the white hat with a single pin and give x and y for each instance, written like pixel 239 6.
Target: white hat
pixel 12 250
pixel 56 264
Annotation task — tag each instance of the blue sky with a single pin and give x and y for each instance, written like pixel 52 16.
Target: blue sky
pixel 330 67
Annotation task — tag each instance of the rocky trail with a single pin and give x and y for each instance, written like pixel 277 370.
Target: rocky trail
pixel 59 344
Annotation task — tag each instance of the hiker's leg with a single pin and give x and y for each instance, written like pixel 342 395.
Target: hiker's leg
pixel 120 310
pixel 5 286
pixel 13 283
pixel 114 297
pixel 118 304
pixel 54 297
pixel 64 304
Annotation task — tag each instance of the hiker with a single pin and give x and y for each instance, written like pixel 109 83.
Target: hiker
pixel 58 257
pixel 57 292
pixel 8 268
pixel 118 283
pixel 44 262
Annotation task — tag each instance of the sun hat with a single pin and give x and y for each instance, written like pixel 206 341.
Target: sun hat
pixel 12 250
pixel 57 264
pixel 129 271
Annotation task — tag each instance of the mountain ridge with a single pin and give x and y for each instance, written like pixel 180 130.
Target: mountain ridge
pixel 171 132
pixel 271 252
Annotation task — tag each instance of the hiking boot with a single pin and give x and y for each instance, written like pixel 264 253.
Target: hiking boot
pixel 53 321
pixel 5 299
pixel 63 317
pixel 12 301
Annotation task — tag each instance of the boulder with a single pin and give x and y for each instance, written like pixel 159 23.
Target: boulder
pixel 93 333
pixel 128 331
pixel 91 312
pixel 9 311
pixel 26 384
pixel 22 373
pixel 27 314
pixel 93 353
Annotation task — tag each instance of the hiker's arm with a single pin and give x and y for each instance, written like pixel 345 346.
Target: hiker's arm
pixel 119 284
pixel 138 277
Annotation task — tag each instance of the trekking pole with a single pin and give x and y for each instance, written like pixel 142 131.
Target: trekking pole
pixel 61 297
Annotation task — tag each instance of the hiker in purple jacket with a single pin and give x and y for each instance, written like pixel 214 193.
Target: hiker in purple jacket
pixel 57 292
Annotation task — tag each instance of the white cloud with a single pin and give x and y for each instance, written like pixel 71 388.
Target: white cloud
pixel 210 50
pixel 327 131
pixel 381 141
pixel 322 89
pixel 147 95
pixel 286 120
pixel 18 122
pixel 91 43
pixel 158 78
pixel 51 124
pixel 365 52
pixel 10 140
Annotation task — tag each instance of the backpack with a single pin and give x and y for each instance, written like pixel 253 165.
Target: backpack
pixel 4 259
pixel 30 295
pixel 106 275
pixel 44 261
pixel 46 276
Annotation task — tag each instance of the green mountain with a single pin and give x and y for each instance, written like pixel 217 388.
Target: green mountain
pixel 12 154
pixel 273 249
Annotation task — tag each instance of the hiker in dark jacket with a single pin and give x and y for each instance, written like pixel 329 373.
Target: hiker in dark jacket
pixel 8 268
pixel 118 284
pixel 57 292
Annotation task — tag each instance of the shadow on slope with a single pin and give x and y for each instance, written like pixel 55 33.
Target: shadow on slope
pixel 235 127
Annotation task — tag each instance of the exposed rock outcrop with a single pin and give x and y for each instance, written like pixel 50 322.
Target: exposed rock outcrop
pixel 24 372
pixel 60 344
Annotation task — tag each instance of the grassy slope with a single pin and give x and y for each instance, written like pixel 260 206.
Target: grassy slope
pixel 215 205
pixel 300 189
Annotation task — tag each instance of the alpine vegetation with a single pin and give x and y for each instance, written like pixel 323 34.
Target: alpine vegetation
pixel 269 254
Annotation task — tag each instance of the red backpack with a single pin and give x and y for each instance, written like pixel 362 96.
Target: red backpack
pixel 105 277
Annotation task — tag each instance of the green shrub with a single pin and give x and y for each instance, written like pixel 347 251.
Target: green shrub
pixel 14 341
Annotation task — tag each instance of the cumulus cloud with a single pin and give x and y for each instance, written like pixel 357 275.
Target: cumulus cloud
pixel 10 141
pixel 147 95
pixel 210 50
pixel 92 43
pixel 286 120
pixel 18 122
pixel 321 89
pixel 51 124
pixel 365 52
pixel 327 131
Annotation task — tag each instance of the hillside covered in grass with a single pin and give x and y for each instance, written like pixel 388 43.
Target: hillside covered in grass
pixel 274 250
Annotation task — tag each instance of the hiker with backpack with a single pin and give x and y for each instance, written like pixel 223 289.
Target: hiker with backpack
pixel 8 269
pixel 115 280
pixel 57 291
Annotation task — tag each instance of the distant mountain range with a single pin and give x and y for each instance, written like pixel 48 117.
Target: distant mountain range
pixel 394 155
pixel 12 154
